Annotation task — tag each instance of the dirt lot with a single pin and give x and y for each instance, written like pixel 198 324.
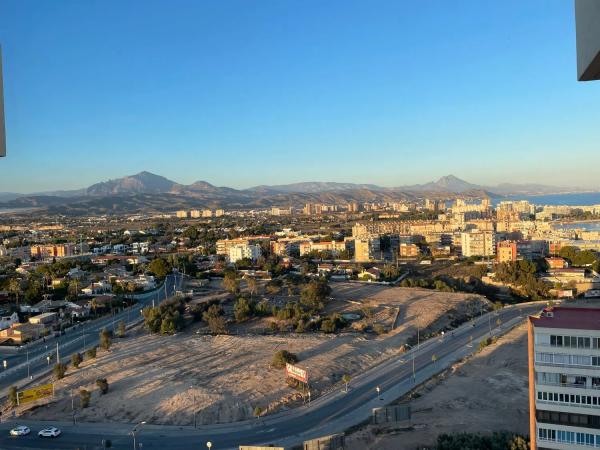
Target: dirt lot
pixel 162 379
pixel 488 392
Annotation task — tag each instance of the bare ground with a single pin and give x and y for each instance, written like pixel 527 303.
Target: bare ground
pixel 163 379
pixel 488 392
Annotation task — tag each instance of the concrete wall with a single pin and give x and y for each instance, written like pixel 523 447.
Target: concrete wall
pixel 587 18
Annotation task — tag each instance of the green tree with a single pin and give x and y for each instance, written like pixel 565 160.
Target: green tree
pixel 282 357
pixel 59 370
pixel 12 396
pixel 14 286
pixel 121 329
pixel 242 309
pixel 105 339
pixel 91 353
pixel 76 359
pixel 160 267
pixel 251 285
pixel 102 384
pixel 84 397
pixel 213 316
pixel 314 293
pixel 231 282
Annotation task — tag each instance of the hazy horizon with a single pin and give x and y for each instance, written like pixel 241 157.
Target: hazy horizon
pixel 281 92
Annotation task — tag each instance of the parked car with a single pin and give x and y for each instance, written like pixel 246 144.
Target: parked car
pixel 21 430
pixel 51 432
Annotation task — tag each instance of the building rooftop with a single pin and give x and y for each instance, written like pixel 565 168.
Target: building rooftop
pixel 568 317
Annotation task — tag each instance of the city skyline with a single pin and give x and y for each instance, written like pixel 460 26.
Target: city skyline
pixel 397 95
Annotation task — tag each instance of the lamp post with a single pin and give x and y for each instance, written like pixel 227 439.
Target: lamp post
pixel 378 389
pixel 194 404
pixel 133 433
pixel 209 444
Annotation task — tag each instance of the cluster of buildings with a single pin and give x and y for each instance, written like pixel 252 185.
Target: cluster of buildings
pixel 198 213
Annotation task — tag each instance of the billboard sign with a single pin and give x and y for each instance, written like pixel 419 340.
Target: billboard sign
pixel 36 393
pixel 296 372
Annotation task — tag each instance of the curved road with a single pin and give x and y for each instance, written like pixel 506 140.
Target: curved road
pixel 77 338
pixel 331 413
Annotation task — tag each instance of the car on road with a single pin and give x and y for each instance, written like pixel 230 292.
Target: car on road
pixel 51 432
pixel 21 430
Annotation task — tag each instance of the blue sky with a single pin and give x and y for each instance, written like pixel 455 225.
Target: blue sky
pixel 241 93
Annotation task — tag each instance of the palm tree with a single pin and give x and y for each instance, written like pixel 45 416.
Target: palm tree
pixel 14 286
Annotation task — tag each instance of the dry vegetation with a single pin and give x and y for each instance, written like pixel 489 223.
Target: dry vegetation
pixel 163 379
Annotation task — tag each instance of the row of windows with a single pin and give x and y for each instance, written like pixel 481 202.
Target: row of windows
pixel 569 398
pixel 569 437
pixel 569 419
pixel 571 341
pixel 566 360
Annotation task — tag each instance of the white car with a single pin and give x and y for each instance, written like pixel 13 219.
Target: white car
pixel 20 431
pixel 51 432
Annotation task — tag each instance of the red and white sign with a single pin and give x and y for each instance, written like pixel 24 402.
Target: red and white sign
pixel 296 372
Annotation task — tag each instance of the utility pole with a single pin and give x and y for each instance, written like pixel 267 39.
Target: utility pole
pixel 57 354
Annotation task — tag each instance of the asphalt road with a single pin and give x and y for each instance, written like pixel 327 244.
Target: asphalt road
pixel 333 412
pixel 31 360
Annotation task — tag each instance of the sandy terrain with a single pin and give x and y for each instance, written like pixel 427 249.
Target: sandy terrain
pixel 163 379
pixel 488 392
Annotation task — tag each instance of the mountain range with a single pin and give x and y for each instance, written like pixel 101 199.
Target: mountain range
pixel 146 191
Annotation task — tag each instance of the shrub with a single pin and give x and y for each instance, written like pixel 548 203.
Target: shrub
pixel 281 357
pixel 59 370
pixel 215 320
pixel 102 384
pixel 121 329
pixel 328 326
pixel 242 310
pixel 84 397
pixel 105 339
pixel 12 395
pixel 379 329
pixel 76 359
pixel 91 353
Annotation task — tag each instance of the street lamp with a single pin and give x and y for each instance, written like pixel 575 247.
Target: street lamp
pixel 194 404
pixel 378 389
pixel 48 359
pixel 133 433
pixel 209 444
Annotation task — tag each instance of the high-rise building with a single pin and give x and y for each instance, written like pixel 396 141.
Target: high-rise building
pixel 182 214
pixel 564 378
pixel 219 213
pixel 367 248
pixel 477 243
pixel 195 213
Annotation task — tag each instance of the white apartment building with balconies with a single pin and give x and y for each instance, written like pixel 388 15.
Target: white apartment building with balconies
pixel 564 378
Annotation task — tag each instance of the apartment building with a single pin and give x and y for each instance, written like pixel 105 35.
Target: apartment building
pixel 506 251
pixel 367 248
pixel 52 251
pixel 564 378
pixel 223 245
pixel 182 214
pixel 324 246
pixel 244 251
pixel 276 211
pixel 219 212
pixel 408 250
pixel 478 243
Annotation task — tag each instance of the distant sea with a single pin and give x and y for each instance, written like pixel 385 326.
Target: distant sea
pixel 575 199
